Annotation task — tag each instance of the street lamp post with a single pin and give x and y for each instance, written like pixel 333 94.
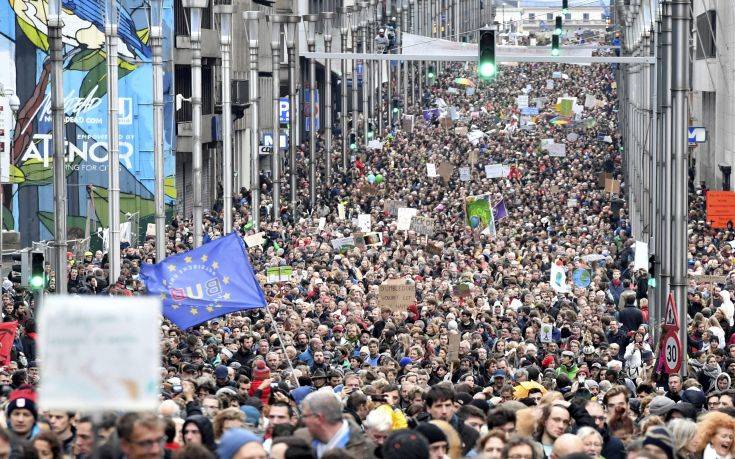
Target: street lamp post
pixel 310 26
pixel 294 120
pixel 252 18
pixel 364 12
pixel 411 64
pixel 276 20
pixel 195 34
pixel 380 75
pixel 404 64
pixel 156 21
pixel 344 28
pixel 370 66
pixel 354 27
pixel 225 40
pixel 113 139
pixel 328 17
pixel 56 48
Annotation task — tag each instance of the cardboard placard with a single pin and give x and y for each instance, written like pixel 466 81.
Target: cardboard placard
pixel 720 208
pixel 432 248
pixel 604 176
pixel 431 170
pixel 392 206
pixel 496 171
pixel 423 226
pixel 461 290
pixel 343 244
pixel 446 123
pixel 709 278
pixel 464 173
pixel 254 240
pixel 453 347
pixel 150 229
pixel 473 157
pixel 445 170
pixel 612 186
pixel 396 295
pixel 364 222
pixel 403 220
pixel 461 130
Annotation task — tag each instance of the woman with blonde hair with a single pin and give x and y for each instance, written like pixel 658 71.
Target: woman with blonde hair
pixel 454 443
pixel 229 418
pixel 715 437
pixel 683 432
pixel 490 445
pixel 591 440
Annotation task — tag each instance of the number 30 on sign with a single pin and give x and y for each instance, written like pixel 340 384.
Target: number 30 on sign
pixel 672 353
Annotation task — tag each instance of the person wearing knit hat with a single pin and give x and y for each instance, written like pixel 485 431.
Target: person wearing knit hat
pixel 658 441
pixel 438 444
pixel 22 412
pixel 660 405
pixel 240 443
pixel 547 361
pixel 261 373
pixel 406 444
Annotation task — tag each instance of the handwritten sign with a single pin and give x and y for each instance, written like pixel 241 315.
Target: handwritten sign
pixel 364 222
pixel 445 170
pixel 99 355
pixel 720 208
pixel 276 274
pixel 464 173
pixel 431 170
pixel 403 220
pixel 612 186
pixel 423 226
pixel 496 171
pixel 392 206
pixel 396 295
pixel 255 240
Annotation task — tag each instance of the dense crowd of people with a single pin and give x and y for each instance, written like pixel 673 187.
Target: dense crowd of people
pixel 492 360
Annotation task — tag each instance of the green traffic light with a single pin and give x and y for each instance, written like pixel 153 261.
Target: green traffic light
pixel 565 10
pixel 487 69
pixel 557 31
pixel 370 135
pixel 353 146
pixel 36 282
pixel 554 52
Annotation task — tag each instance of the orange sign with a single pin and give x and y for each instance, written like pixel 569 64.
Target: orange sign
pixel 720 208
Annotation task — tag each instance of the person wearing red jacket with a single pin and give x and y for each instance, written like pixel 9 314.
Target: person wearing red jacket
pixel 260 381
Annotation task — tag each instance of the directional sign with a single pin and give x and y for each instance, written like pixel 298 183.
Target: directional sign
pixel 697 134
pixel 672 353
pixel 307 109
pixel 671 318
pixel 283 110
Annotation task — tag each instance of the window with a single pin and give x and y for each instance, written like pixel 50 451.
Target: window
pixel 706 35
pixel 549 16
pixel 531 16
pixel 586 17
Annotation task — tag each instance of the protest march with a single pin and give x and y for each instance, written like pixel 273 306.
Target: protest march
pixel 468 289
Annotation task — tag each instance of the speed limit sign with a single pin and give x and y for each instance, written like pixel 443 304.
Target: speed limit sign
pixel 672 353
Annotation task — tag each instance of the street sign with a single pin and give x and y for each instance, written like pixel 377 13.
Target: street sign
pixel 672 353
pixel 268 139
pixel 283 108
pixel 697 134
pixel 671 318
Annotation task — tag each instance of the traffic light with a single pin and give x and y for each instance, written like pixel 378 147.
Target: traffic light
pixel 37 281
pixel 353 141
pixel 396 105
pixel 558 26
pixel 16 271
pixel 371 131
pixel 555 45
pixel 486 66
pixel 565 6
pixel 431 73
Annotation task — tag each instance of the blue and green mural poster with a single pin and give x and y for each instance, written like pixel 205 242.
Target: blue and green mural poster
pixel 24 53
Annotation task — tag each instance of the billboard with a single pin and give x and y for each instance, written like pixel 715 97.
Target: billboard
pixel 24 51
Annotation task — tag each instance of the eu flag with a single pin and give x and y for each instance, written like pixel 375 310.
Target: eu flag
pixel 210 281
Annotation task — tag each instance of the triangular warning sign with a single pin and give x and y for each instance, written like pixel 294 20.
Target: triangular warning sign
pixel 671 318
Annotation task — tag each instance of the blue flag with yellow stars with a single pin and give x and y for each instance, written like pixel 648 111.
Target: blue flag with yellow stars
pixel 201 284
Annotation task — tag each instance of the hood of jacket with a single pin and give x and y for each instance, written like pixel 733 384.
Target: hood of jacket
pixel 205 428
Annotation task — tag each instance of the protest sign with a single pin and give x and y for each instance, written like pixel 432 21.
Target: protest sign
pixel 464 173
pixel 546 333
pixel 407 122
pixel 368 189
pixel 593 258
pixel 445 170
pixel 364 222
pixel 522 101
pixel 720 208
pixel 445 122
pixel 99 355
pixel 479 214
pixel 375 145
pixel 423 226
pixel 461 290
pixel 431 170
pixel 544 144
pixel 343 244
pixel 558 279
pixel 603 177
pixel 276 274
pixel 150 229
pixel 612 186
pixel 549 84
pixel 496 171
pixel 572 136
pixel 582 278
pixel 641 256
pixel 461 130
pixel 403 219
pixel 558 150
pixel 452 90
pixel 470 91
pixel 341 211
pixel 453 346
pixel 473 157
pixel 392 206
pixel 254 240
pixel 374 239
pixel 590 101
pixel 322 223
pixel 572 202
pixel 396 295
pixel 474 136
pixel 707 278
pixel 432 248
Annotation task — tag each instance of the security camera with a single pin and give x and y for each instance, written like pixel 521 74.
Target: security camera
pixel 180 100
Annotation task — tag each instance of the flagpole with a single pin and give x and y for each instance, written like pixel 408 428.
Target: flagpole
pixel 283 346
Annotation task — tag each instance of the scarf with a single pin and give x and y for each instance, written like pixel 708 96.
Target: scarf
pixel 710 453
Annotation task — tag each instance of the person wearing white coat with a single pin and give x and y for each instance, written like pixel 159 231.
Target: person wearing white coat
pixel 633 359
